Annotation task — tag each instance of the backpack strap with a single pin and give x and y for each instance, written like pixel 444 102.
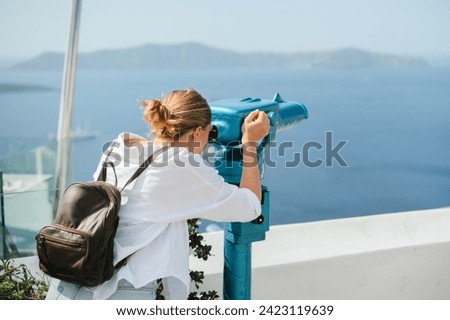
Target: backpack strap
pixel 122 262
pixel 144 165
pixel 102 174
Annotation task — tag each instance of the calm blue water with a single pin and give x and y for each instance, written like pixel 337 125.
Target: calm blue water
pixel 395 122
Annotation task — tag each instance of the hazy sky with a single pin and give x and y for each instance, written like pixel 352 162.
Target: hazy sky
pixel 417 27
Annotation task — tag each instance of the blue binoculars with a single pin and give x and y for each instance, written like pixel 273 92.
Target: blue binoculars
pixel 227 118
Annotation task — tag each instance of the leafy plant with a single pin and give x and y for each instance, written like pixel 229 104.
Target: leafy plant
pixel 17 283
pixel 201 251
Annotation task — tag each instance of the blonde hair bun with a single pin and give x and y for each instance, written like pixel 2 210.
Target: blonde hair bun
pixel 178 112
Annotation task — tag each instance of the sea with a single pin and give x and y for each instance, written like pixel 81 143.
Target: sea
pixel 376 140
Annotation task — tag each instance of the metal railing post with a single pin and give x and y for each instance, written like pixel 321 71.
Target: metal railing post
pixel 2 212
pixel 66 105
pixel 7 239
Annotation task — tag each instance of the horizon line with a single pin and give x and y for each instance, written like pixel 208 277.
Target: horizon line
pixel 331 49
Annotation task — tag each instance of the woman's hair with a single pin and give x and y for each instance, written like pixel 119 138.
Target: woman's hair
pixel 176 113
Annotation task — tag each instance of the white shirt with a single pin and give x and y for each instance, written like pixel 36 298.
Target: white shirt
pixel 177 186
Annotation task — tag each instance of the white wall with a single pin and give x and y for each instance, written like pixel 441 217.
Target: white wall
pixel 392 256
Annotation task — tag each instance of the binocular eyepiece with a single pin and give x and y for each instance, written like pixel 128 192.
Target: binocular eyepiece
pixel 213 134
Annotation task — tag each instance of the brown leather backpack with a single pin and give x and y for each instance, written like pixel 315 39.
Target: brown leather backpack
pixel 78 246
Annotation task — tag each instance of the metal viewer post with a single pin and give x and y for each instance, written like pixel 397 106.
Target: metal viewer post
pixel 227 118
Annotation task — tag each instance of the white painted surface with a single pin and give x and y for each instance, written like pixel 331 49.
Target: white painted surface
pixel 391 256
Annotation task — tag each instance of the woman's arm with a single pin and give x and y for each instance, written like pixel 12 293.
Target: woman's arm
pixel 254 128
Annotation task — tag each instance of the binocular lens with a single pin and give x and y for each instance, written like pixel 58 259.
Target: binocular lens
pixel 213 134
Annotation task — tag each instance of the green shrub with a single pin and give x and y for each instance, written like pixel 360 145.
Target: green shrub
pixel 17 283
pixel 201 251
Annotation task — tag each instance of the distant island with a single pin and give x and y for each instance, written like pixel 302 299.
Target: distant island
pixel 11 87
pixel 199 56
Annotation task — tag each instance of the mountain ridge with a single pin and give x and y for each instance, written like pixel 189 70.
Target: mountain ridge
pixel 196 55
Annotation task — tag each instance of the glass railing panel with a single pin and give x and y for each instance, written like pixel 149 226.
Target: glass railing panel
pixel 27 194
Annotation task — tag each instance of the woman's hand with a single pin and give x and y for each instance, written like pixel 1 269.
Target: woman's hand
pixel 255 127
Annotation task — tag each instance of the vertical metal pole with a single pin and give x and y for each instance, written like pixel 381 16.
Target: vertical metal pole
pixel 237 271
pixel 7 240
pixel 66 105
pixel 2 211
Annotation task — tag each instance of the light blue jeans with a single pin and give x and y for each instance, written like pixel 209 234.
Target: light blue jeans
pixel 61 290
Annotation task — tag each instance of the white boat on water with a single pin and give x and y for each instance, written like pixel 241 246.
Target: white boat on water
pixel 83 133
pixel 80 133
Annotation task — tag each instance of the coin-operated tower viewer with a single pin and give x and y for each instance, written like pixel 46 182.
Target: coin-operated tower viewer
pixel 227 118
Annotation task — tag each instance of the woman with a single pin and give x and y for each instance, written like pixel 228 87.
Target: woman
pixel 176 187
